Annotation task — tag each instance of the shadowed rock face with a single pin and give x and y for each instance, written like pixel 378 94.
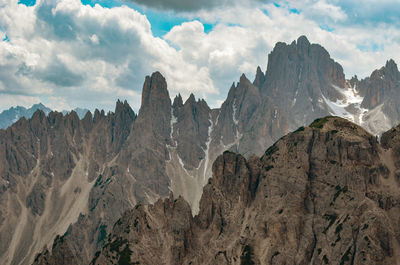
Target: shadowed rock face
pixel 193 120
pixel 63 176
pixel 325 193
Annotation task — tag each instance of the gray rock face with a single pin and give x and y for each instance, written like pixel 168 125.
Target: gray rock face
pixel 324 194
pixel 191 130
pixel 60 175
pixel 48 167
pixel 381 96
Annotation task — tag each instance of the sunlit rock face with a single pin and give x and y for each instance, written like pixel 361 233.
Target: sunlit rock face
pixel 325 193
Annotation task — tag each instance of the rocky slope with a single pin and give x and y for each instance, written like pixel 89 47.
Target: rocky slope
pixel 325 194
pixel 50 166
pixel 60 175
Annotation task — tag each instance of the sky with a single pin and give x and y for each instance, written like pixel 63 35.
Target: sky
pixel 89 53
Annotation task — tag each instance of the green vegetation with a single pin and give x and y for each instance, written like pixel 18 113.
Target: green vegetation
pixel 275 254
pixel 271 150
pixel 300 129
pixel 331 218
pixel 98 180
pixel 268 168
pixel 339 190
pixel 325 259
pixel 125 256
pixel 345 257
pixel 339 228
pixel 116 244
pixel 319 123
pixel 247 256
pixel 102 233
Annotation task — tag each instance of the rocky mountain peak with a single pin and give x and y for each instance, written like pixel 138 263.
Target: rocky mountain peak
pixel 193 122
pixel 260 78
pixel 38 121
pixel 191 100
pixel 38 105
pixel 391 66
pixel 303 44
pixel 155 111
pixel 178 102
pixel 98 115
pixel 293 65
pixel 154 92
pixel 119 106
pixel 243 78
pixel 382 86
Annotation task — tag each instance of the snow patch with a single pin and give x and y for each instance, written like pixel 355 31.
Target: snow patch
pixel 206 159
pixel 351 97
pixel 234 113
pixel 217 119
pixel 183 165
pixel 17 116
pixel 173 121
pixel 234 118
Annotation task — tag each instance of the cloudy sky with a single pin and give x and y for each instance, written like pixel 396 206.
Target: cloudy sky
pixel 89 53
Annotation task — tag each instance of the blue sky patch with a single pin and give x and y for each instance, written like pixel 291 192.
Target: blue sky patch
pixel 327 28
pixel 368 47
pixel 27 2
pixel 161 22
pixel 208 27
pixel 103 3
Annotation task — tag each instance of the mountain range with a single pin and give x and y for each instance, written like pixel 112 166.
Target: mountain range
pixel 324 194
pixel 66 181
pixel 13 114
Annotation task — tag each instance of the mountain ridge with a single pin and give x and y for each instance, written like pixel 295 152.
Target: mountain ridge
pixel 335 205
pixel 13 114
pixel 111 162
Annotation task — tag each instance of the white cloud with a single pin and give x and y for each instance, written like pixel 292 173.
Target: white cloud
pixel 324 9
pixel 58 103
pixel 8 101
pixel 75 55
pixel 94 39
pixel 78 50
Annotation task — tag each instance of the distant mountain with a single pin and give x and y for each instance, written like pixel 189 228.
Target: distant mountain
pixel 80 111
pixel 62 175
pixel 10 116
